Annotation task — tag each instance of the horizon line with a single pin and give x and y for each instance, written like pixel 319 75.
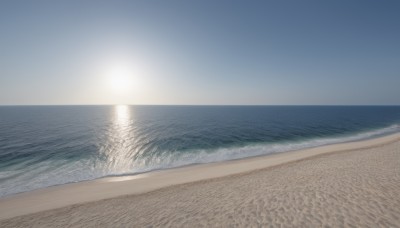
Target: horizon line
pixel 199 105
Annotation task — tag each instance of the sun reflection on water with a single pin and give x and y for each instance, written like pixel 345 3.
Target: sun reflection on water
pixel 120 141
pixel 124 178
pixel 122 115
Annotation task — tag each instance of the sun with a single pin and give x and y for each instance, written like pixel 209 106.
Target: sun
pixel 120 77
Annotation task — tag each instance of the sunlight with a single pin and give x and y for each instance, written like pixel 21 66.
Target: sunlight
pixel 122 115
pixel 123 79
pixel 124 178
pixel 119 143
pixel 120 77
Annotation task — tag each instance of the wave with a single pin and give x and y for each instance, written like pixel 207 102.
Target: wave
pixel 50 173
pixel 173 160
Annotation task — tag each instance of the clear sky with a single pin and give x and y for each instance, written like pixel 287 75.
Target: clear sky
pixel 199 52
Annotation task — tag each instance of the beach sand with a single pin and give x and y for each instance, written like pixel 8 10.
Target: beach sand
pixel 348 185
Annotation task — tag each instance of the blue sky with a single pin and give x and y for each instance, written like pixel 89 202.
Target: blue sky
pixel 200 52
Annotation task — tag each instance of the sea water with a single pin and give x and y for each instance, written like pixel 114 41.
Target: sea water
pixel 42 146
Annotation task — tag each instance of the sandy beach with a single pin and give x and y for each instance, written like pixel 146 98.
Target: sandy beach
pixel 351 184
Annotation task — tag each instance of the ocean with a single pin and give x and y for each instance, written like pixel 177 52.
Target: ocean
pixel 42 146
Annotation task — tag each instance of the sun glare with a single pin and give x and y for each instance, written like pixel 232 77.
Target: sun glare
pixel 123 79
pixel 120 78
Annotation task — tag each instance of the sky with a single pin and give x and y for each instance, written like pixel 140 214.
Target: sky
pixel 216 52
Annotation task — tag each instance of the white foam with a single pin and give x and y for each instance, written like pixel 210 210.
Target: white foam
pixel 224 154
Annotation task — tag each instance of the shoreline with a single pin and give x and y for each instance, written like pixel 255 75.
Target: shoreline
pixel 110 187
pixel 293 146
